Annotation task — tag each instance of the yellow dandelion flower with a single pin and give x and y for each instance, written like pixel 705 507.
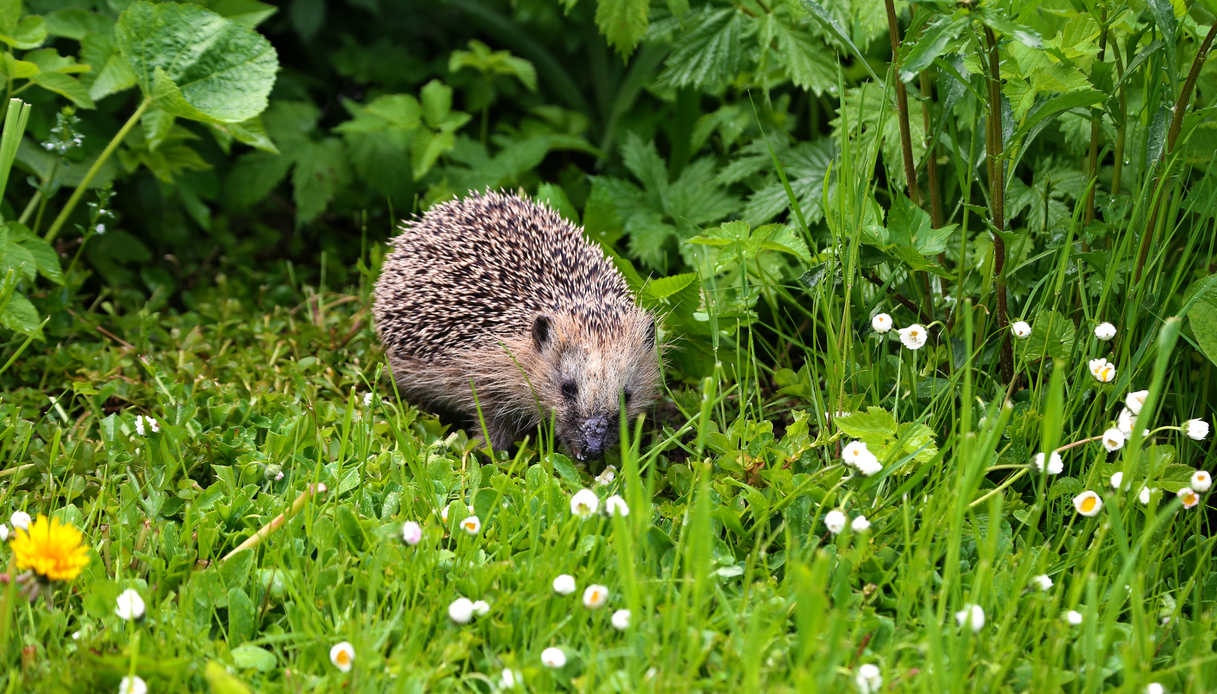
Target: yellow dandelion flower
pixel 51 549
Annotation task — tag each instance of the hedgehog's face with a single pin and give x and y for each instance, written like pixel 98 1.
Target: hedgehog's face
pixel 587 377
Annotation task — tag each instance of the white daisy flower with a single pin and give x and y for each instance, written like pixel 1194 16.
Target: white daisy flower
pixel 1154 688
pixel 20 519
pixel 564 584
pixel 139 425
pixel 621 620
pixel 616 506
pixel 914 336
pixel 1105 331
pixel 1196 429
pixel 1117 478
pixel 411 533
pixel 607 475
pixel 1143 495
pixel 3 532
pixel 1088 503
pixel 1124 422
pixel 853 452
pixel 868 678
pixel 595 596
pixel 342 655
pixel 510 678
pixel 1201 481
pixel 1055 464
pixel 869 465
pixel 1102 370
pixel 834 520
pixel 129 605
pixel 1073 617
pixel 1135 400
pixel 1020 329
pixel 367 399
pixel 1188 497
pixel 472 525
pixel 553 657
pixel 881 323
pixel 1113 440
pixel 584 503
pixel 860 524
pixel 971 615
pixel 481 608
pixel 1043 582
pixel 460 610
pixel 133 685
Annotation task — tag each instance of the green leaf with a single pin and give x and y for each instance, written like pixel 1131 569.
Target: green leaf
pixel 248 13
pixel 115 76
pixel 643 160
pixel 251 132
pixel 43 255
pixel 436 102
pixel 64 85
pixel 1052 336
pixel 18 69
pixel 321 170
pixel 253 177
pixel 930 44
pixel 388 112
pixel 240 615
pixel 834 28
pixel 248 655
pixel 664 287
pixel 875 422
pixel 709 56
pixel 811 67
pixel 197 64
pixel 999 22
pixel 75 23
pixel 19 315
pixel 30 32
pixel 911 236
pixel 806 165
pixel 1202 316
pixel 622 22
pixel 427 148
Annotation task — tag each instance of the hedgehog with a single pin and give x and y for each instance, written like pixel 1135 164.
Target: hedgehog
pixel 496 309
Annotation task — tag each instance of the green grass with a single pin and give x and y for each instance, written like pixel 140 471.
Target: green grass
pixel 724 560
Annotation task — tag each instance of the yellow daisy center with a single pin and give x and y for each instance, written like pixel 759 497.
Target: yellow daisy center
pixel 51 549
pixel 1088 504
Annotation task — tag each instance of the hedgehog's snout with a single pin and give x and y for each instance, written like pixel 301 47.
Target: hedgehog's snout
pixel 595 435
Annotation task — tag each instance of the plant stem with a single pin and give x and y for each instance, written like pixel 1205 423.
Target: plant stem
pixel 92 172
pixel 902 106
pixel 1092 159
pixel 1185 95
pixel 997 201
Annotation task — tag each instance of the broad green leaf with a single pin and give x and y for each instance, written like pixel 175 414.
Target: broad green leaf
pixel 195 63
pixel 251 132
pixel 834 28
pixel 1001 23
pixel 622 22
pixel 248 655
pixel 20 316
pixel 115 76
pixel 75 23
pixel 643 160
pixel 810 66
pixel 664 287
pixel 427 148
pixel 1202 316
pixel 253 177
pixel 436 100
pixel 388 112
pixel 241 613
pixel 876 421
pixel 29 32
pixel 249 13
pixel 18 69
pixel 1052 336
pixel 64 85
pixel 43 255
pixel 321 169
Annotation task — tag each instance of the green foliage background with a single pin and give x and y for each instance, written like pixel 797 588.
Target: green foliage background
pixel 768 174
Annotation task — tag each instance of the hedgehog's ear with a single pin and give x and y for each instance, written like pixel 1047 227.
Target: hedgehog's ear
pixel 540 332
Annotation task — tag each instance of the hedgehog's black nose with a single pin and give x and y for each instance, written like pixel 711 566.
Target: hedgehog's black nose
pixel 593 435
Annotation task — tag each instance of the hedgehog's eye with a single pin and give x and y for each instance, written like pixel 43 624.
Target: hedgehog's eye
pixel 570 390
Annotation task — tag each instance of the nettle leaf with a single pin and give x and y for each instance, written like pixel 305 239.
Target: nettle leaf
pixel 1052 336
pixel 643 160
pixel 623 22
pixel 875 422
pixel 922 52
pixel 811 67
pixel 910 237
pixel 867 113
pixel 195 63
pixel 253 177
pixel 1200 315
pixel 711 54
pixel 479 57
pixel 806 164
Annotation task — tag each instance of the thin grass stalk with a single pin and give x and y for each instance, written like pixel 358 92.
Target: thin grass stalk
pixel 1096 116
pixel 997 202
pixel 1185 95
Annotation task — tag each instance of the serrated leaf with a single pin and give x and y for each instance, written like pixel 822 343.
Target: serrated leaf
pixel 19 315
pixel 710 55
pixel 643 160
pixel 806 165
pixel 249 13
pixel 198 64
pixel 251 132
pixel 922 52
pixel 44 257
pixel 875 422
pixel 1202 316
pixel 1052 336
pixel 834 28
pixel 664 287
pixel 436 100
pixel 253 177
pixel 427 148
pixel 115 76
pixel 622 22
pixel 810 66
